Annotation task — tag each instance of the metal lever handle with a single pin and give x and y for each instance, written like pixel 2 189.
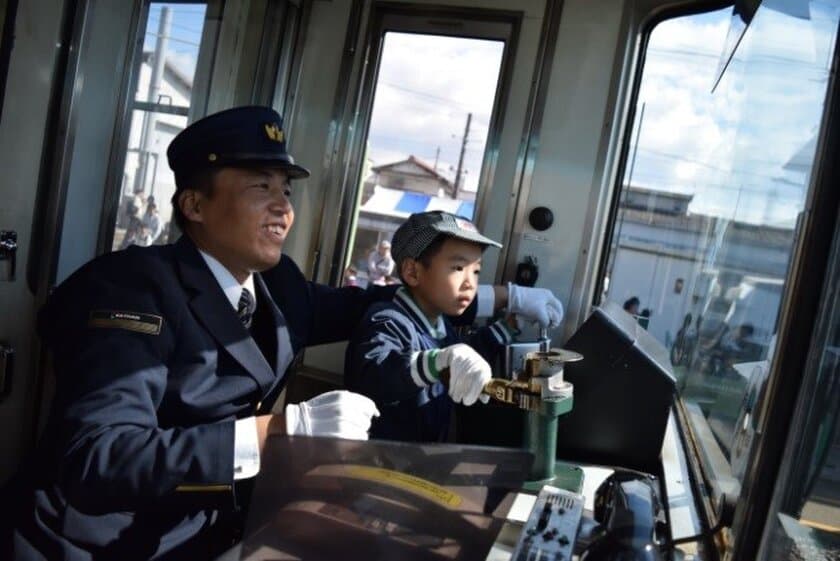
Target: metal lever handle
pixel 8 250
pixel 510 392
pixel 545 342
pixel 7 355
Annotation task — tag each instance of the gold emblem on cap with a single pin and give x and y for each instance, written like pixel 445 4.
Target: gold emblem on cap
pixel 274 132
pixel 211 157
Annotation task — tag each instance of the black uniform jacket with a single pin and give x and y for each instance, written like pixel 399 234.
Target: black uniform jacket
pixel 152 369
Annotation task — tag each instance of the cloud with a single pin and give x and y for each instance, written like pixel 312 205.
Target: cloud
pixel 729 147
pixel 426 87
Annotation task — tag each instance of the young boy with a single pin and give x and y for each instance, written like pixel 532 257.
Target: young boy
pixel 400 348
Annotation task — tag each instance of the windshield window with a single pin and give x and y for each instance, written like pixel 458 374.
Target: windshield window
pixel 716 178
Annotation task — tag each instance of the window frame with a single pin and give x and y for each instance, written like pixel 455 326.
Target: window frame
pixel 798 326
pixel 288 67
pixel 477 23
pixel 127 105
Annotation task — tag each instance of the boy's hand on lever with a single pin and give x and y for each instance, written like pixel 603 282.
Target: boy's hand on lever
pixel 467 374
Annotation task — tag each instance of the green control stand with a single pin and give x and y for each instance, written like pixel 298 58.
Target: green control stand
pixel 541 439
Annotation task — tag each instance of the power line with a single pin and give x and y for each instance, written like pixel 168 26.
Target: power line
pixel 401 139
pixel 706 164
pixel 449 140
pixel 682 52
pixel 771 58
pixel 171 38
pixel 438 109
pixel 700 186
pixel 425 94
pixel 180 9
pixel 155 19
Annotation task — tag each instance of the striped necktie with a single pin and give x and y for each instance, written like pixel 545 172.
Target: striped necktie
pixel 246 307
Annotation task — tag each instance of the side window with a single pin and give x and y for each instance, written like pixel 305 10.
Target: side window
pixel 160 104
pixel 426 139
pixel 716 177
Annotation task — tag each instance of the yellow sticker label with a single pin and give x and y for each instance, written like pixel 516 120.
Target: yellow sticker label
pixel 414 485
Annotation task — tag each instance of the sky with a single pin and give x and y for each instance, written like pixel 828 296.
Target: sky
pixel 426 86
pixel 731 148
pixel 184 35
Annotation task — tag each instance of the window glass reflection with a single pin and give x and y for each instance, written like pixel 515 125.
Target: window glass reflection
pixel 715 182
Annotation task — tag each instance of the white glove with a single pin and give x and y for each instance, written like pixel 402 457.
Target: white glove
pixel 468 373
pixel 338 413
pixel 535 304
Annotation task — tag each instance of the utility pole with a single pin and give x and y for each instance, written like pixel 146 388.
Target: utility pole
pixel 154 90
pixel 437 155
pixel 461 157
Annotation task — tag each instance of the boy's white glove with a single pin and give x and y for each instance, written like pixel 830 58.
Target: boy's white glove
pixel 535 304
pixel 468 373
pixel 338 413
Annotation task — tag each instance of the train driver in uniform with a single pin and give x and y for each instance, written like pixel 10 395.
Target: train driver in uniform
pixel 168 360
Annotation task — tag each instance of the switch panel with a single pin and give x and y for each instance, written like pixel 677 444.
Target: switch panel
pixel 551 529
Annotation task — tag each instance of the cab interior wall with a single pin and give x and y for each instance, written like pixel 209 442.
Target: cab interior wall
pixel 567 171
pixel 23 132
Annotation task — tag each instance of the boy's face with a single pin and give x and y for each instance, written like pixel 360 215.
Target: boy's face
pixel 448 285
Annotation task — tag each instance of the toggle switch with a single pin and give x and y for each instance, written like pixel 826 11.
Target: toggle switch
pixel 8 252
pixel 527 272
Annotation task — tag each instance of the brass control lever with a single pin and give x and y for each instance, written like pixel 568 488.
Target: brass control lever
pixel 535 383
pixel 518 393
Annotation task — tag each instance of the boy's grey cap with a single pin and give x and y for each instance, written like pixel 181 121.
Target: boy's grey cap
pixel 421 229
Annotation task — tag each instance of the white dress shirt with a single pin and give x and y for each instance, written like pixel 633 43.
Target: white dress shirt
pixel 246 447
